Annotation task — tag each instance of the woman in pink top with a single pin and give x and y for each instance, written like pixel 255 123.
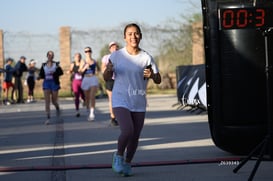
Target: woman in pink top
pixel 77 81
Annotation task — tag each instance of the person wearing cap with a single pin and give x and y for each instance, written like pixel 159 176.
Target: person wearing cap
pixel 20 67
pixel 7 84
pixel 30 80
pixel 113 46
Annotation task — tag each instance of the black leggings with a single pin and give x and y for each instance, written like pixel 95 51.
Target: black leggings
pixel 31 85
pixel 131 124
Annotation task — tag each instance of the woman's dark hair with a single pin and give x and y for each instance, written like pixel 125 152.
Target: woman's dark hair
pixel 9 59
pixel 88 48
pixel 132 25
pixel 49 52
pixel 80 55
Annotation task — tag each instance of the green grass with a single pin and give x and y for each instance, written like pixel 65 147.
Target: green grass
pixel 161 91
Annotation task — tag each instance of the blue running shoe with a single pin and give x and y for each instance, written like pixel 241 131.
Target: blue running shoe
pixel 117 163
pixel 127 170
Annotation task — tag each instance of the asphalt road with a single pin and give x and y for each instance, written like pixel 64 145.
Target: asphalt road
pixel 174 145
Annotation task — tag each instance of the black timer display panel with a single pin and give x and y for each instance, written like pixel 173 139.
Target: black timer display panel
pixel 245 17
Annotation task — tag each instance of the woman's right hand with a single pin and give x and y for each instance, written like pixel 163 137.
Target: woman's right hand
pixel 108 73
pixel 109 66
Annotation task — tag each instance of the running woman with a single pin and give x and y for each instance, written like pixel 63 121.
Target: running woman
pixel 90 82
pixel 77 81
pixel 51 72
pixel 132 68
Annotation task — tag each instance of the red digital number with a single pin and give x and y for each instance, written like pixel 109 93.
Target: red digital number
pixel 241 18
pixel 260 17
pixel 228 19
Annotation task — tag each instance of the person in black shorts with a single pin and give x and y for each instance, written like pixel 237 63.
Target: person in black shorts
pixel 113 46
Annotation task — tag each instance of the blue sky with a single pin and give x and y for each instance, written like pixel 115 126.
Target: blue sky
pixel 46 16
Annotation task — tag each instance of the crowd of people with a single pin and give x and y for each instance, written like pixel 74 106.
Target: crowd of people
pixel 126 72
pixel 84 82
pixel 12 84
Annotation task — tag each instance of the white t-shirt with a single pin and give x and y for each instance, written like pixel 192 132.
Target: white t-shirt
pixel 129 89
pixel 49 71
pixel 105 59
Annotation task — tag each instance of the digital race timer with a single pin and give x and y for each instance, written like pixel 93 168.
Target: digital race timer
pixel 246 17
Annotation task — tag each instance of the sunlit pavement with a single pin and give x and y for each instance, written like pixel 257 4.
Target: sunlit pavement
pixel 174 145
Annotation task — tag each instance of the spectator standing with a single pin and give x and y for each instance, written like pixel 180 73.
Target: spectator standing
pixel 51 72
pixel 113 46
pixel 77 81
pixel 20 67
pixel 7 83
pixel 132 68
pixel 90 82
pixel 30 80
pixel 1 98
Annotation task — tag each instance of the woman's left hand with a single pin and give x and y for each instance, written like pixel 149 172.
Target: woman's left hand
pixel 148 73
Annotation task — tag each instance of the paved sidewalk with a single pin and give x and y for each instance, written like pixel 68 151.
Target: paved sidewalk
pixel 175 145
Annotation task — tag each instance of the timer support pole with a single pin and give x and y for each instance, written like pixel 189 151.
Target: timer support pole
pixel 267 142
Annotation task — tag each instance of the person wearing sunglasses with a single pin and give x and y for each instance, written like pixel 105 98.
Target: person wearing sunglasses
pixel 90 82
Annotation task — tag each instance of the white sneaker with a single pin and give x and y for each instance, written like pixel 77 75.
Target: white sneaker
pixel 91 117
